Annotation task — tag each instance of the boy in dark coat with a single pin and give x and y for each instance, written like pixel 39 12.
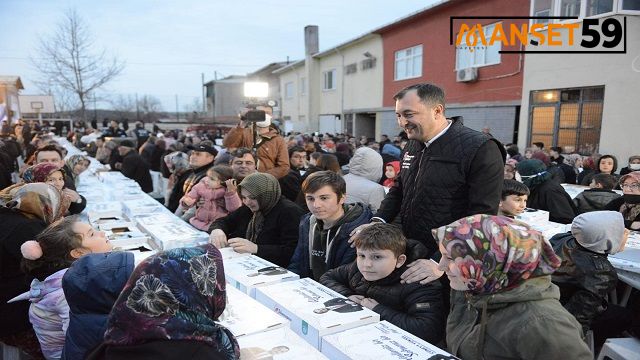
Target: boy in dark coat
pixel 598 196
pixel 373 281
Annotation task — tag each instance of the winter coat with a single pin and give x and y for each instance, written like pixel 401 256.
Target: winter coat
pixel 594 199
pixel 615 205
pixel 272 152
pixel 91 286
pixel 136 168
pixel 158 350
pixel 48 313
pixel 365 170
pixel 585 278
pixel 458 174
pixel 15 229
pixel 526 322
pixel 279 236
pixel 396 167
pixel 290 184
pixel 217 203
pixel 339 251
pixel 416 308
pixel 552 197
pixel 184 183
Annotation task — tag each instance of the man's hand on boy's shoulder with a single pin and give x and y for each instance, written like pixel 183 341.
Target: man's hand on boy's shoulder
pixel 369 303
pixel 421 270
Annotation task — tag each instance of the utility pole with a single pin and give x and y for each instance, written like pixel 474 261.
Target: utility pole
pixel 177 113
pixel 204 102
pixel 137 108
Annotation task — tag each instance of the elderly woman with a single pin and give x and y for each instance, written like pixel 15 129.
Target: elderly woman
pixel 76 165
pixel 168 309
pixel 629 203
pixel 267 224
pixel 503 304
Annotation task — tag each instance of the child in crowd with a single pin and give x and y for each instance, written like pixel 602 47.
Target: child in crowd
pixel 599 195
pixel 514 198
pixel 50 173
pixel 373 281
pixel 48 258
pixel 392 169
pixel 586 276
pixel 219 194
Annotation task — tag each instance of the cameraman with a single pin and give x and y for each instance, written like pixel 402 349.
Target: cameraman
pixel 270 147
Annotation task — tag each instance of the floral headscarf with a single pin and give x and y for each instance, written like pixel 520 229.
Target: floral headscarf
pixel 496 253
pixel 630 209
pixel 40 172
pixel 39 200
pixel 174 295
pixel 73 160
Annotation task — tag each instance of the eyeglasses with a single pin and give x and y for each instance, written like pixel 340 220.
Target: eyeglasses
pixel 632 186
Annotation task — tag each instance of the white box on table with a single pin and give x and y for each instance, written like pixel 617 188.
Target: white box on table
pixel 150 219
pixel 111 176
pixel 313 309
pixel 105 209
pixel 229 253
pixel 249 272
pixel 533 215
pixel 175 235
pixel 127 240
pixel 278 344
pixel 574 190
pixel 95 197
pixel 550 228
pixel 378 341
pixel 245 316
pixel 138 255
pixel 142 206
pixel 117 226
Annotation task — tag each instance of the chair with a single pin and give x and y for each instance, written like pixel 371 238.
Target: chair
pixel 620 349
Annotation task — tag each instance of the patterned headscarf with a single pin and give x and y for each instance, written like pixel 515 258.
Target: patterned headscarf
pixel 174 295
pixel 40 172
pixel 496 253
pixel 266 189
pixel 176 161
pixel 630 209
pixel 73 160
pixel 38 200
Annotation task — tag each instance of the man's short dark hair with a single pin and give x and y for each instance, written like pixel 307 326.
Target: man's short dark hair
pixel 382 237
pixel 296 149
pixel 513 187
pixel 539 144
pixel 241 152
pixel 50 147
pixel 320 179
pixel 557 149
pixel 428 93
pixel 607 181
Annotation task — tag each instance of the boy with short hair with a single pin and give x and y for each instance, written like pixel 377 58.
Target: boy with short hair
pixel 598 196
pixel 324 231
pixel 373 281
pixel 514 198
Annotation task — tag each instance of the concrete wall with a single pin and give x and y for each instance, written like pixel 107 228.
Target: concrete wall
pixel 330 100
pixel 620 75
pixel 363 89
pixel 500 119
pixel 296 106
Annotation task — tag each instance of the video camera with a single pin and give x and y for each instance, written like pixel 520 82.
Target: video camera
pixel 255 115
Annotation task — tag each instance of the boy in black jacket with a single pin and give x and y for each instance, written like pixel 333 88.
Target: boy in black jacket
pixel 373 281
pixel 599 195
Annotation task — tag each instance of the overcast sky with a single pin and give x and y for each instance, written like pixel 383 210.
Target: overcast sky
pixel 167 45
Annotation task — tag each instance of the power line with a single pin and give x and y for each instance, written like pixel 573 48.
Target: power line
pixel 149 63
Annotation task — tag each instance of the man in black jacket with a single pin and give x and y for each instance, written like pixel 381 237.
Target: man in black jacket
pixel 200 160
pixel 291 182
pixel 134 166
pixel 448 171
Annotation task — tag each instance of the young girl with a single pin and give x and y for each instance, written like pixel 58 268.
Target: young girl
pixel 48 258
pixel 392 169
pixel 219 194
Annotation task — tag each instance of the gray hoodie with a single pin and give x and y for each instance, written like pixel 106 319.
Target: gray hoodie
pixel 365 170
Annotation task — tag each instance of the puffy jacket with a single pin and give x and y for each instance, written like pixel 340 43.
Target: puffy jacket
pixel 552 197
pixel 184 183
pixel 278 238
pixel 48 313
pixel 217 203
pixel 339 252
pixel 459 174
pixel 272 152
pixel 365 170
pixel 526 322
pixel 91 286
pixel 584 277
pixel 136 168
pixel 416 308
pixel 594 199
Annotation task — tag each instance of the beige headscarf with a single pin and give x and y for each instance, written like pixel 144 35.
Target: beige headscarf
pixel 266 189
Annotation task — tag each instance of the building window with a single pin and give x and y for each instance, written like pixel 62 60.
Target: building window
pixel 542 8
pixel 303 86
pixel 597 7
pixel 351 68
pixel 479 55
pixel 408 63
pixel 369 63
pixel 288 90
pixel 631 5
pixel 329 82
pixel 570 7
pixel 570 118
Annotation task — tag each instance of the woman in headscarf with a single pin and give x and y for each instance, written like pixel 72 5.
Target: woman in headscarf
pixel 267 224
pixel 629 203
pixel 168 309
pixel 76 165
pixel 176 164
pixel 503 304
pixel 31 208
pixel 546 193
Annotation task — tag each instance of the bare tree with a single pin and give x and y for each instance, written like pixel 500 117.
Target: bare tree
pixel 123 105
pixel 150 107
pixel 66 61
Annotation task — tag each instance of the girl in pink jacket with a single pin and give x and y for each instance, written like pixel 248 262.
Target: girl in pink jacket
pixel 216 195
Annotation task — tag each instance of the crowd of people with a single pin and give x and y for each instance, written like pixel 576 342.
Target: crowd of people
pixel 379 222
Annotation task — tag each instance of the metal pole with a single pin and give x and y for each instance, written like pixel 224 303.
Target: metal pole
pixel 204 102
pixel 137 108
pixel 177 114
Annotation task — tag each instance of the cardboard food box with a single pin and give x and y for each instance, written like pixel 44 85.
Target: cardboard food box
pixel 143 206
pixel 246 273
pixel 175 234
pixel 108 209
pixel 278 344
pixel 550 228
pixel 245 316
pixel 379 341
pixel 128 240
pixel 530 216
pixel 229 253
pixel 313 309
pixel 118 225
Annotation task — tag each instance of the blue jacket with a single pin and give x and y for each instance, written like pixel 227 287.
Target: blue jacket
pixel 339 252
pixel 91 286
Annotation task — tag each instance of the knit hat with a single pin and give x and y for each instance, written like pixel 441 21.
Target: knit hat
pixel 599 231
pixel 127 143
pixel 533 172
